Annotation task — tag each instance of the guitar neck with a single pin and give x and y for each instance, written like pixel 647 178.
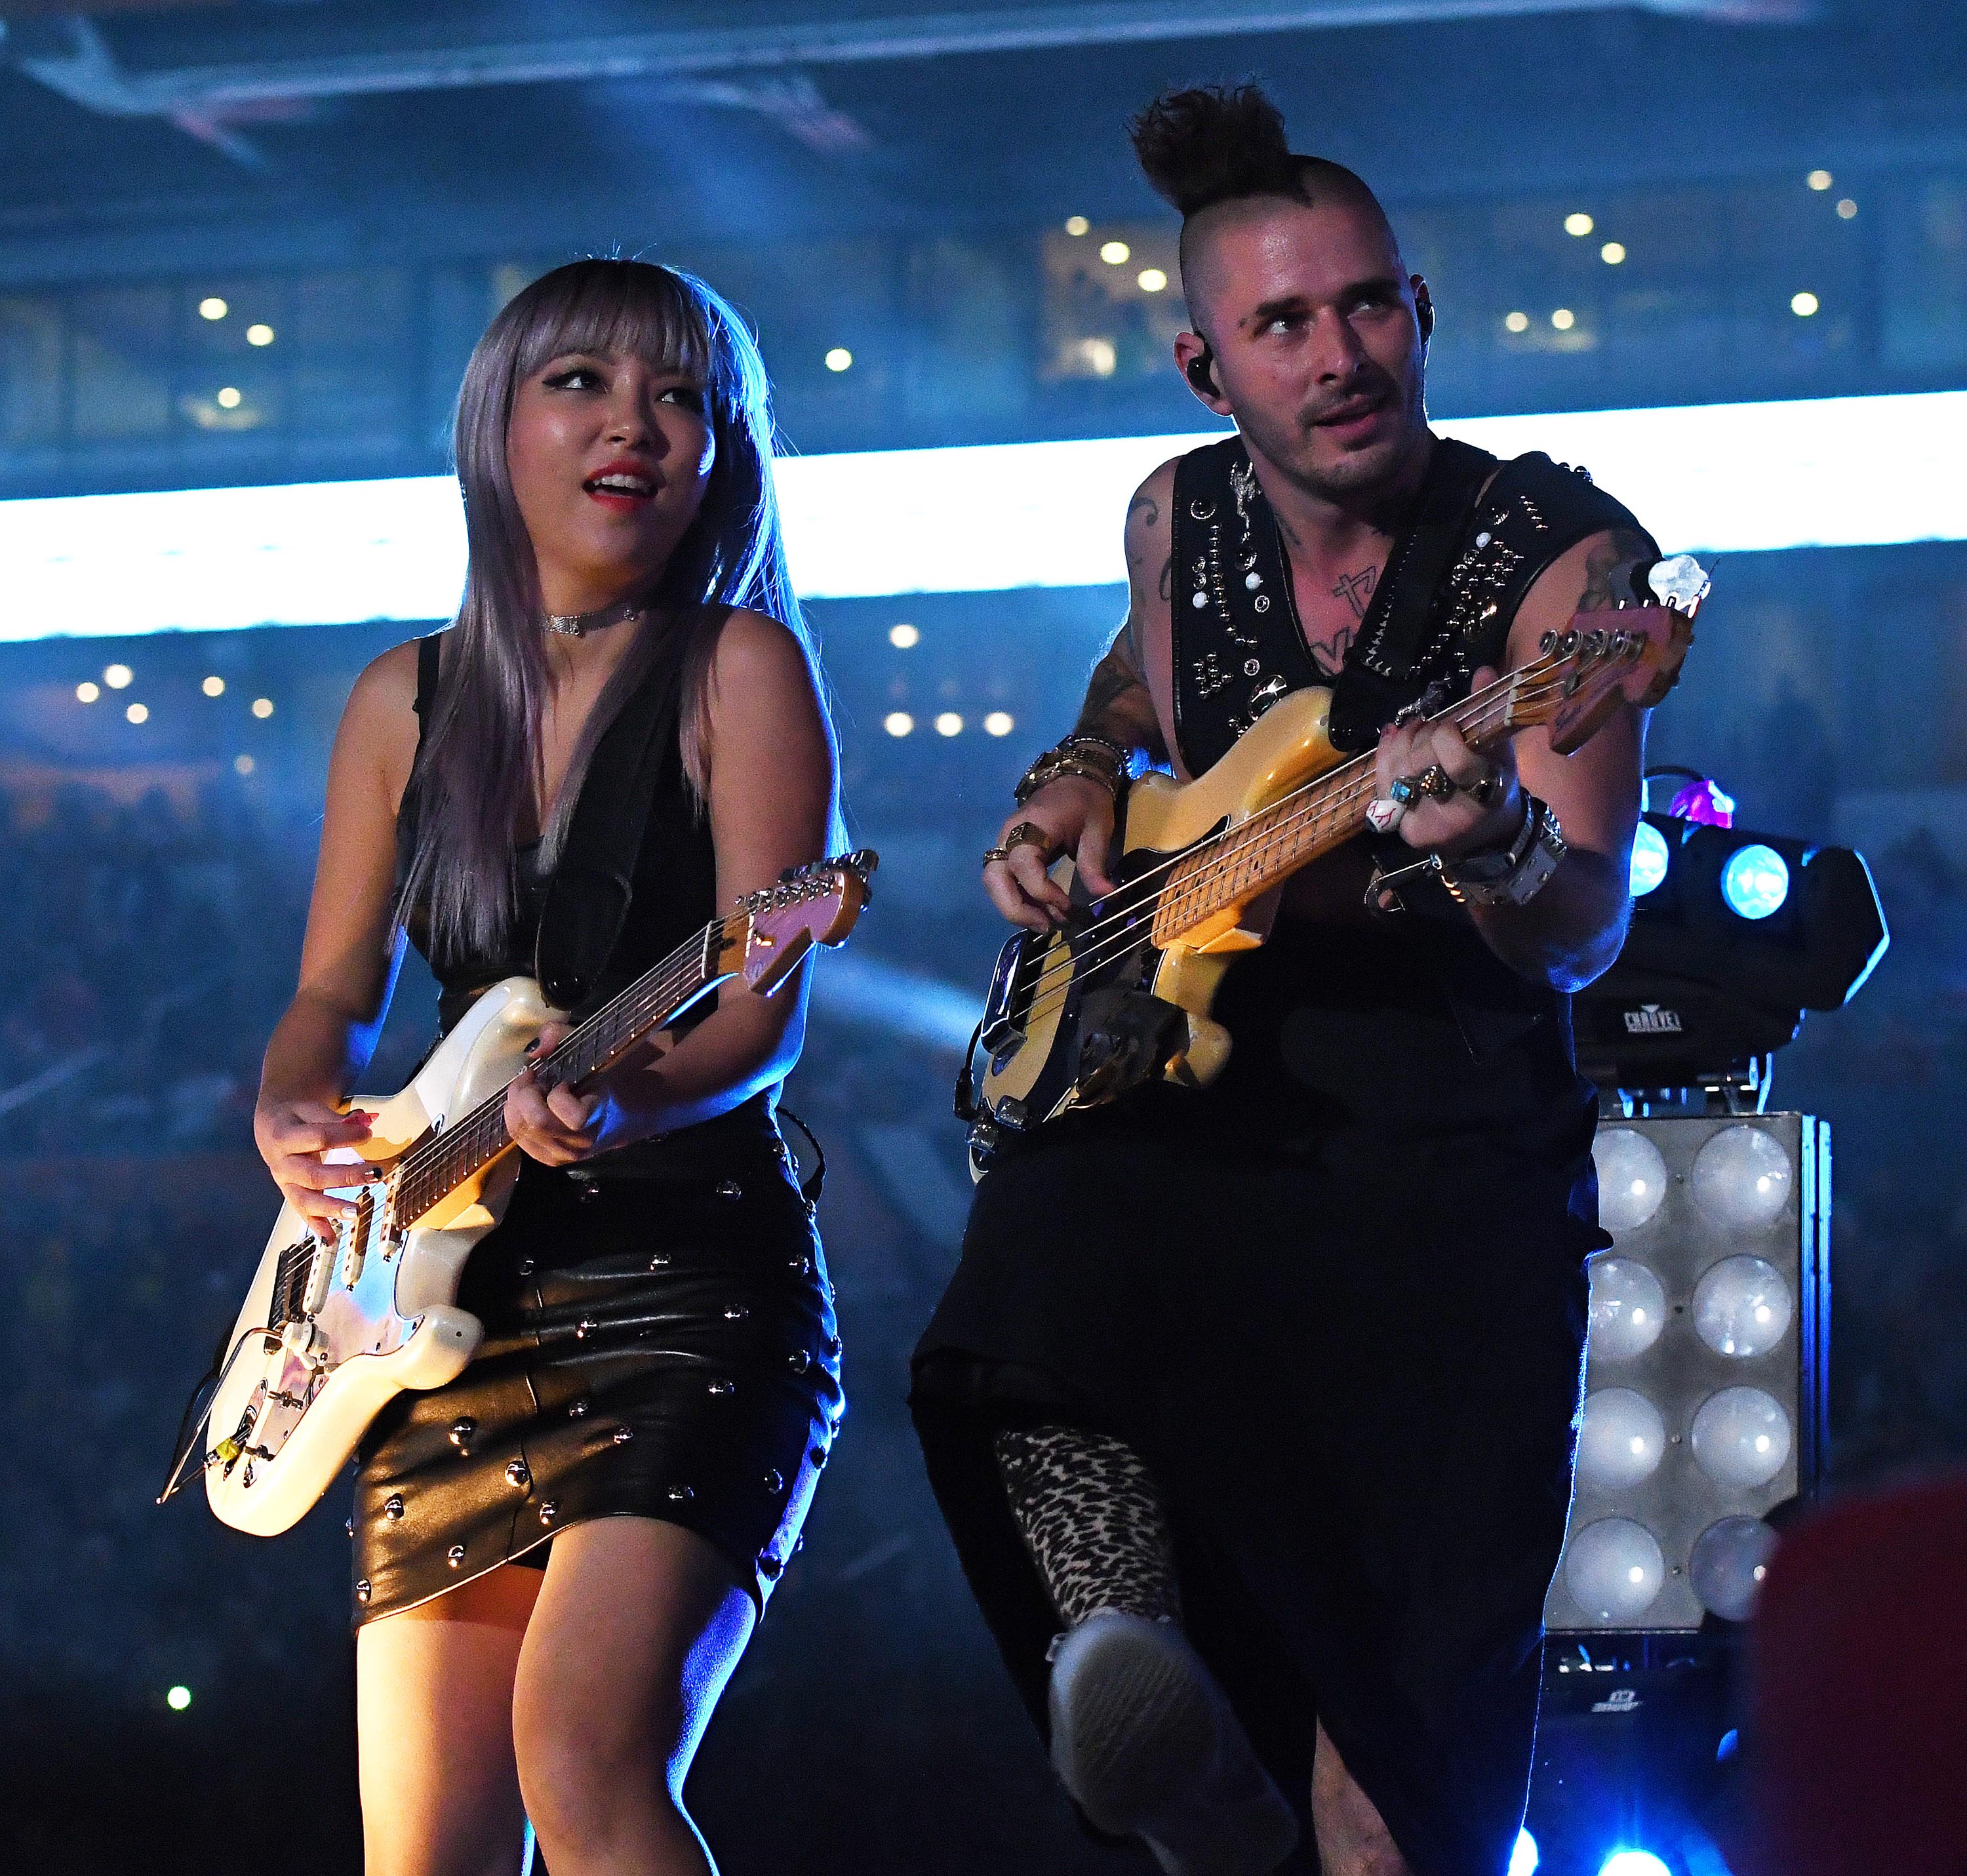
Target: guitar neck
pixel 473 1141
pixel 1248 859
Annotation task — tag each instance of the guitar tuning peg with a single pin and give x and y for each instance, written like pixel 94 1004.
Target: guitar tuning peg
pixel 787 876
pixel 864 859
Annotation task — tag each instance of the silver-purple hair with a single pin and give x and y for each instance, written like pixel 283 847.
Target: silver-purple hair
pixel 481 755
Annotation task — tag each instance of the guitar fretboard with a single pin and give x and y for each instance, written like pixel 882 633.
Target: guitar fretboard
pixel 443 1163
pixel 1245 860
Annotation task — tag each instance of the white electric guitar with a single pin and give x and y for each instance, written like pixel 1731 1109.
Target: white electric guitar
pixel 330 1333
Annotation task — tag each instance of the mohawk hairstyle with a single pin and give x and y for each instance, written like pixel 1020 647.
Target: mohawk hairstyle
pixel 1213 144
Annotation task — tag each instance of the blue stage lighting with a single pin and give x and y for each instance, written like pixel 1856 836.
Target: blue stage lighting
pixel 1523 1857
pixel 1633 1863
pixel 1756 881
pixel 1651 858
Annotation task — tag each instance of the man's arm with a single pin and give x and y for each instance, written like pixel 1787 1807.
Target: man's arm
pixel 1119 704
pixel 1571 931
pixel 1077 816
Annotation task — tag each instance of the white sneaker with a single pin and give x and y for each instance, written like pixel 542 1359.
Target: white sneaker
pixel 1146 1741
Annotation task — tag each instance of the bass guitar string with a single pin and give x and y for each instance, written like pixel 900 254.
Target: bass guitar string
pixel 1250 838
pixel 1082 961
pixel 1248 833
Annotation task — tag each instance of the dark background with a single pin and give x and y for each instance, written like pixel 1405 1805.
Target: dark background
pixel 910 208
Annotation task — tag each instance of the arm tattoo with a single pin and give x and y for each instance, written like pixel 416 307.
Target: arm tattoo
pixel 1356 589
pixel 1119 704
pixel 1167 577
pixel 1620 545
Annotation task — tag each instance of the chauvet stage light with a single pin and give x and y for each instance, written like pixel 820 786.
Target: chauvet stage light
pixel 1735 934
pixel 1704 1398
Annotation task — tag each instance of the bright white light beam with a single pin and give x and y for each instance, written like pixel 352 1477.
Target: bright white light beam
pixel 1717 478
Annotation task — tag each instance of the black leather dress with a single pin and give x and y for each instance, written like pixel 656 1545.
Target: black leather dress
pixel 659 1337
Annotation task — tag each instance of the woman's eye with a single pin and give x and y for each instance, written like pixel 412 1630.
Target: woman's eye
pixel 573 378
pixel 689 395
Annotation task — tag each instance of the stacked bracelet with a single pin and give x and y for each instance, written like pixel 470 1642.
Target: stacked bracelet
pixel 1092 758
pixel 1515 875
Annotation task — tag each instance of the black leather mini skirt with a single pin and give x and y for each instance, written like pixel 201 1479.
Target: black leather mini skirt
pixel 655 1347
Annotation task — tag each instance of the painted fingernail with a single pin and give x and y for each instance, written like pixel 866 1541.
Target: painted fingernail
pixel 374 1172
pixel 532 1046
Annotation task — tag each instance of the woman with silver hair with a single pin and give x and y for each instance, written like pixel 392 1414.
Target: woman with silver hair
pixel 560 1556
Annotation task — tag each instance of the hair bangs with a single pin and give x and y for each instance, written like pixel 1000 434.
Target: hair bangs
pixel 619 309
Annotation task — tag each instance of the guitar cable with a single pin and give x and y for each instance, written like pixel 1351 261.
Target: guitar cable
pixel 193 1422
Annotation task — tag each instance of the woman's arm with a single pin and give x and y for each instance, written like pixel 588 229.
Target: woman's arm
pixel 771 801
pixel 348 964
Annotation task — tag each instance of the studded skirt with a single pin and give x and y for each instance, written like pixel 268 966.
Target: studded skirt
pixel 657 1346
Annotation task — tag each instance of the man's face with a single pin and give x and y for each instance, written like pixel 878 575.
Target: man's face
pixel 1319 351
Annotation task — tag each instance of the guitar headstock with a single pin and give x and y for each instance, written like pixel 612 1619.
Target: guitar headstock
pixel 1630 654
pixel 816 904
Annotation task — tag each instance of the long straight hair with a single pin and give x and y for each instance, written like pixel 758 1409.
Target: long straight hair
pixel 482 758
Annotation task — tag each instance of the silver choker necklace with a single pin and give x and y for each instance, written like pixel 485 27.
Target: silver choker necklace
pixel 578 624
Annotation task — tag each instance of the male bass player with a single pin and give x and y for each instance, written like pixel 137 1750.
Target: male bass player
pixel 1250 1407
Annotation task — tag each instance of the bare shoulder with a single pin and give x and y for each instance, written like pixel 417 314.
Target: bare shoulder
pixel 1150 522
pixel 755 651
pixel 1578 580
pixel 378 735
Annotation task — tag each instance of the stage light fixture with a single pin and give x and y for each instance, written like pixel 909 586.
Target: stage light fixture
pixel 1820 179
pixel 1631 1178
pixel 87 692
pixel 212 307
pixel 999 723
pixel 1846 209
pixel 1151 280
pixel 242 765
pixel 1743 933
pixel 1563 319
pixel 1803 304
pixel 260 334
pixel 948 724
pixel 1621 1439
pixel 117 676
pixel 1613 253
pixel 1729 1560
pixel 228 397
pixel 1633 1863
pixel 904 637
pixel 1651 858
pixel 898 723
pixel 137 713
pixel 178 1699
pixel 839 359
pixel 1613 1569
pixel 1756 881
pixel 263 707
pixel 1115 254
pixel 1523 1855
pixel 1077 225
pixel 1579 224
pixel 1741 1179
pixel 1628 1308
pixel 1516 322
pixel 1704 1397
pixel 214 686
pixel 1743 1306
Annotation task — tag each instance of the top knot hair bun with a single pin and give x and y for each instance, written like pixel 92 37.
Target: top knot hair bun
pixel 1215 143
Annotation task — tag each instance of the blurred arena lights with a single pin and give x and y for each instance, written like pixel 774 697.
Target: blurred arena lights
pixel 1523 1857
pixel 1734 478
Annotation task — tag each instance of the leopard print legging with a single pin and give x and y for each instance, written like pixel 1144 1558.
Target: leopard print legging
pixel 1093 1519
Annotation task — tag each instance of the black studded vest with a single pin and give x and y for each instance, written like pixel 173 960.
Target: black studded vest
pixel 1405 1032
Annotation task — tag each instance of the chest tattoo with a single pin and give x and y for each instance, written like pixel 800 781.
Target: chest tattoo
pixel 1356 589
